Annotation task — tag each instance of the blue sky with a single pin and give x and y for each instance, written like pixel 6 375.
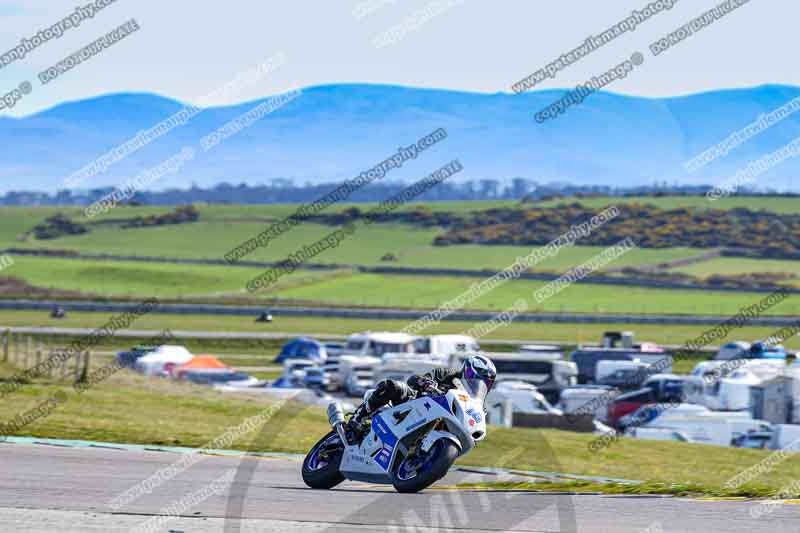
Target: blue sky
pixel 185 48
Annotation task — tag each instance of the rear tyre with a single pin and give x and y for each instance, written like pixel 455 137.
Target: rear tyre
pixel 321 465
pixel 421 471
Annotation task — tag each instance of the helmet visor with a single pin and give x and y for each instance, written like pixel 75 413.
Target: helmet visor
pixel 477 387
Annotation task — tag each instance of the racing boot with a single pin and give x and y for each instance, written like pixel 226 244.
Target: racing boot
pixel 357 427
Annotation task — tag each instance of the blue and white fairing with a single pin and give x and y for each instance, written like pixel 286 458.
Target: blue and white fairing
pixel 373 459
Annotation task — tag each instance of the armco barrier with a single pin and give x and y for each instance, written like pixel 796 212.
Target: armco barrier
pixel 388 314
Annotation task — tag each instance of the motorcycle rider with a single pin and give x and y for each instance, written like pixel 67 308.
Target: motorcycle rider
pixel 476 368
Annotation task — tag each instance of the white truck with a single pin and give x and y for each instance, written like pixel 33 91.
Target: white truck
pixel 387 355
pixel 520 397
pixel 361 356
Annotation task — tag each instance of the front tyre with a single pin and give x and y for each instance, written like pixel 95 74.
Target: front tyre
pixel 421 471
pixel 321 465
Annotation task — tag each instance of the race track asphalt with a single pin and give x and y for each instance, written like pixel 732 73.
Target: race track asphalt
pixel 57 489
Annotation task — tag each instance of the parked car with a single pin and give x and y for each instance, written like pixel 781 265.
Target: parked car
pixel 732 350
pixel 626 404
pixel 355 385
pixel 360 374
pixel 316 378
pixel 763 350
pixel 623 375
pixel 334 348
pixel 753 439
pixel 586 361
pixel 303 348
pixel 668 387
pixel 294 373
pixel 334 352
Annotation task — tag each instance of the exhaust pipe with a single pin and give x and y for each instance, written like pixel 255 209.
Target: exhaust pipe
pixel 336 419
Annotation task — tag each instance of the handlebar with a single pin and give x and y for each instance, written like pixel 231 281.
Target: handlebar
pixel 433 390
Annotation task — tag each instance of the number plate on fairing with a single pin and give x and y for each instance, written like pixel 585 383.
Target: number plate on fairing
pixel 389 440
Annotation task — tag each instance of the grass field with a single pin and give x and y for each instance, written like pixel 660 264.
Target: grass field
pixel 134 279
pixel 223 227
pixel 412 246
pixel 431 292
pixel 343 287
pixel 740 265
pixel 128 408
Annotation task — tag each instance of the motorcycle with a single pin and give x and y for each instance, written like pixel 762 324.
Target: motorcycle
pixel 410 446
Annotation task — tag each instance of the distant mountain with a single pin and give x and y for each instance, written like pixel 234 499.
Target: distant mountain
pixel 335 131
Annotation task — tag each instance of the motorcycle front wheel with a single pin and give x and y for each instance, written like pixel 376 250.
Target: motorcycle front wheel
pixel 321 465
pixel 422 470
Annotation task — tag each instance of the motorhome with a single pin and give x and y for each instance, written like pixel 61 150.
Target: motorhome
pixel 377 343
pixel 721 386
pixel 446 344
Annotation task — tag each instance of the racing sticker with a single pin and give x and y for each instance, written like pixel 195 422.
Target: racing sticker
pixel 388 439
pixel 475 414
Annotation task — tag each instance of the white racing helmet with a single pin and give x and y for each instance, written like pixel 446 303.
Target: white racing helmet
pixel 478 375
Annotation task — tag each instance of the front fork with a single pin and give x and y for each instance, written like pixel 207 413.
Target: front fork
pixel 336 419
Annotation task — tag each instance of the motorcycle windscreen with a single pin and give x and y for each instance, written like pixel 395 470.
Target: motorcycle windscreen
pixel 476 387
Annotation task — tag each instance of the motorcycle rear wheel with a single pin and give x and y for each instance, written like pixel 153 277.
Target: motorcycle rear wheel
pixel 430 468
pixel 321 465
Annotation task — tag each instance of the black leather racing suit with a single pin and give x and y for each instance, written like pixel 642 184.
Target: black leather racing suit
pixel 397 392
